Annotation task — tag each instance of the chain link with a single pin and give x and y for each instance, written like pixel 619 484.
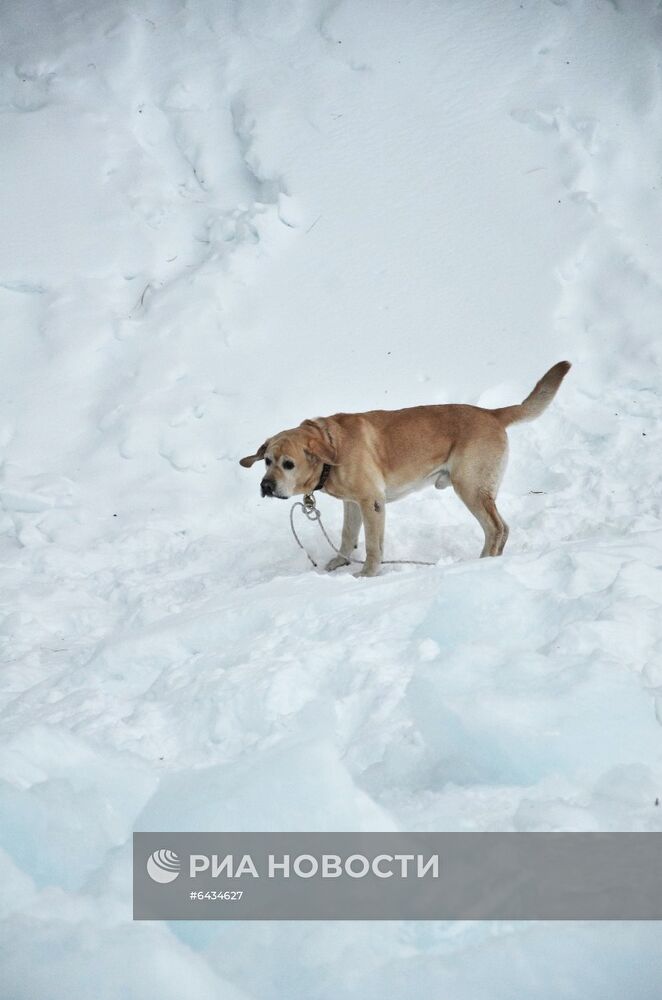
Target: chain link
pixel 312 512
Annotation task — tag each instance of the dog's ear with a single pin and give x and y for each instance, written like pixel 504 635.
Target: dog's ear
pixel 252 459
pixel 319 444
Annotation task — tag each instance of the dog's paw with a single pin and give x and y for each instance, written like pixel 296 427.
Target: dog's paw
pixel 336 563
pixel 368 570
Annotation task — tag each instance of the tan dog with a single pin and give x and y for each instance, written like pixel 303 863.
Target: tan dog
pixel 369 459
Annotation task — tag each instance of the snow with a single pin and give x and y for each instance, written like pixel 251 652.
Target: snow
pixel 222 218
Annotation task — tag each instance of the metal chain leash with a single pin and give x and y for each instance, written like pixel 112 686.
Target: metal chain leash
pixel 310 509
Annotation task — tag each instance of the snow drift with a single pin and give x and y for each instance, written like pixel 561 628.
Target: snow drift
pixel 222 218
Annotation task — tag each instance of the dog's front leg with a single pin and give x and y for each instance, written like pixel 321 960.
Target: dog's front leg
pixel 351 526
pixel 373 523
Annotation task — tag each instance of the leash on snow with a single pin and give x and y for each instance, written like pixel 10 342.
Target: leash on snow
pixel 310 509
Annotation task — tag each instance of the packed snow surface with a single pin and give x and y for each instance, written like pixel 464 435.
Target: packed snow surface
pixel 220 218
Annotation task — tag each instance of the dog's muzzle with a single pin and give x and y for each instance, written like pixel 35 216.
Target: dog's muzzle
pixel 268 489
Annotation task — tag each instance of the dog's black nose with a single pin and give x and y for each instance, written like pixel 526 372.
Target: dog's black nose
pixel 267 486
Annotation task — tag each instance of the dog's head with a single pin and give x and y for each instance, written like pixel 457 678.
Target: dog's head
pixel 294 459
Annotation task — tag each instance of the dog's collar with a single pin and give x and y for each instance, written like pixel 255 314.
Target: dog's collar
pixel 326 469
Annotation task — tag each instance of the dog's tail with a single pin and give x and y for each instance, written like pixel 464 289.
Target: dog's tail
pixel 536 401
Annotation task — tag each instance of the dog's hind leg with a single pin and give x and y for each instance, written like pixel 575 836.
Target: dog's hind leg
pixel 483 507
pixel 351 526
pixel 475 478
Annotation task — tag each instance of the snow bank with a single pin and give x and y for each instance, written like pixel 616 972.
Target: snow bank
pixel 218 220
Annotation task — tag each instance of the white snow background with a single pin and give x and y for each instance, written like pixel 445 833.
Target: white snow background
pixel 220 218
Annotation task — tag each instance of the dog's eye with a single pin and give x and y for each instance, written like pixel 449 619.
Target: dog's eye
pixel 267 461
pixel 288 464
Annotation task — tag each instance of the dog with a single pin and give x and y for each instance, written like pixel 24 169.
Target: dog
pixel 370 459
